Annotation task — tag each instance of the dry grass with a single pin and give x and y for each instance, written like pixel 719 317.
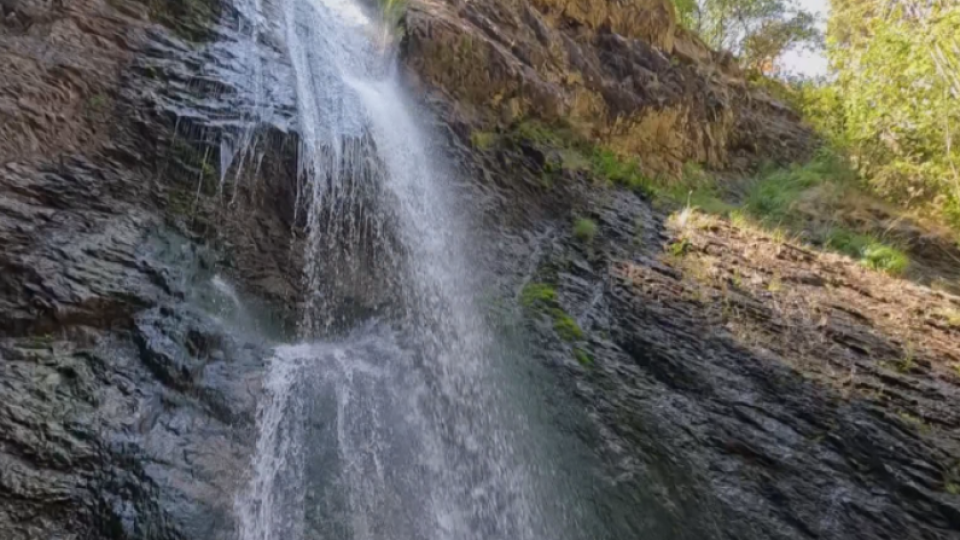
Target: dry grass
pixel 824 314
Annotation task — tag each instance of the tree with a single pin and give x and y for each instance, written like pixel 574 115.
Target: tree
pixel 897 66
pixel 757 31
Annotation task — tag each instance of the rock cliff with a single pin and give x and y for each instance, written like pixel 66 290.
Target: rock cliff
pixel 620 73
pixel 127 408
pixel 721 405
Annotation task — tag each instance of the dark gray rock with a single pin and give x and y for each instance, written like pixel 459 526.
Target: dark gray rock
pixel 699 435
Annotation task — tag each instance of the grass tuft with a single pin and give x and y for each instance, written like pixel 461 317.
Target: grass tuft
pixel 870 251
pixel 585 229
pixel 885 259
pixel 679 248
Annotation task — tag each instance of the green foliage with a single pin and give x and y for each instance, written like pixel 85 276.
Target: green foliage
pixel 895 102
pixel 774 193
pixel 584 229
pixel 757 31
pixel 870 251
pixel 775 34
pixel 565 326
pixel 538 293
pixel 534 131
pixel 612 169
pixel 885 258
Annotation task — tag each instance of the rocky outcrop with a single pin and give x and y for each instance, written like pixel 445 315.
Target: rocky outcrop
pixel 129 400
pixel 128 395
pixel 738 386
pixel 622 74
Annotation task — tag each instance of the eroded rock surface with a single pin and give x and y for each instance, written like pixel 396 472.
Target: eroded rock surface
pixel 128 402
pixel 620 73
pixel 738 386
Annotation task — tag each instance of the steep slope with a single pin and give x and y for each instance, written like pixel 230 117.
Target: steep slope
pixel 739 386
pixel 622 74
pixel 127 404
pixel 732 384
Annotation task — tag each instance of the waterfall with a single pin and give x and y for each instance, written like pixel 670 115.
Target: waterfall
pixel 396 428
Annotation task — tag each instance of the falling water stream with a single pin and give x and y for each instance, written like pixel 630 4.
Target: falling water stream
pixel 401 427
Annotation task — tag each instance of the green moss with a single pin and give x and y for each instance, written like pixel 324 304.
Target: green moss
pixel 536 132
pixel 538 293
pixel 582 356
pixel 584 229
pixel 565 326
pixel 483 140
pixel 543 298
pixel 573 160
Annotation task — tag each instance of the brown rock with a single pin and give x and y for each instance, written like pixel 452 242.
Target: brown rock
pixel 622 74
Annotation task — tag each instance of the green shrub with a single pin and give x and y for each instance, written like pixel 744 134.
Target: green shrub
pixel 584 229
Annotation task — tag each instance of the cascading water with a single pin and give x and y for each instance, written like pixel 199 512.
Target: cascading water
pixel 397 430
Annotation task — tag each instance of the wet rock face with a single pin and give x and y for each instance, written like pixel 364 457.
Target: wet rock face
pixel 94 446
pixel 621 73
pixel 128 409
pixel 717 411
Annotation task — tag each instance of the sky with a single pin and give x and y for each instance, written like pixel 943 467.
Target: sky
pixel 808 63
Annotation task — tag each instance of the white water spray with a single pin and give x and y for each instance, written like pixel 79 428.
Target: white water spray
pixel 398 431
